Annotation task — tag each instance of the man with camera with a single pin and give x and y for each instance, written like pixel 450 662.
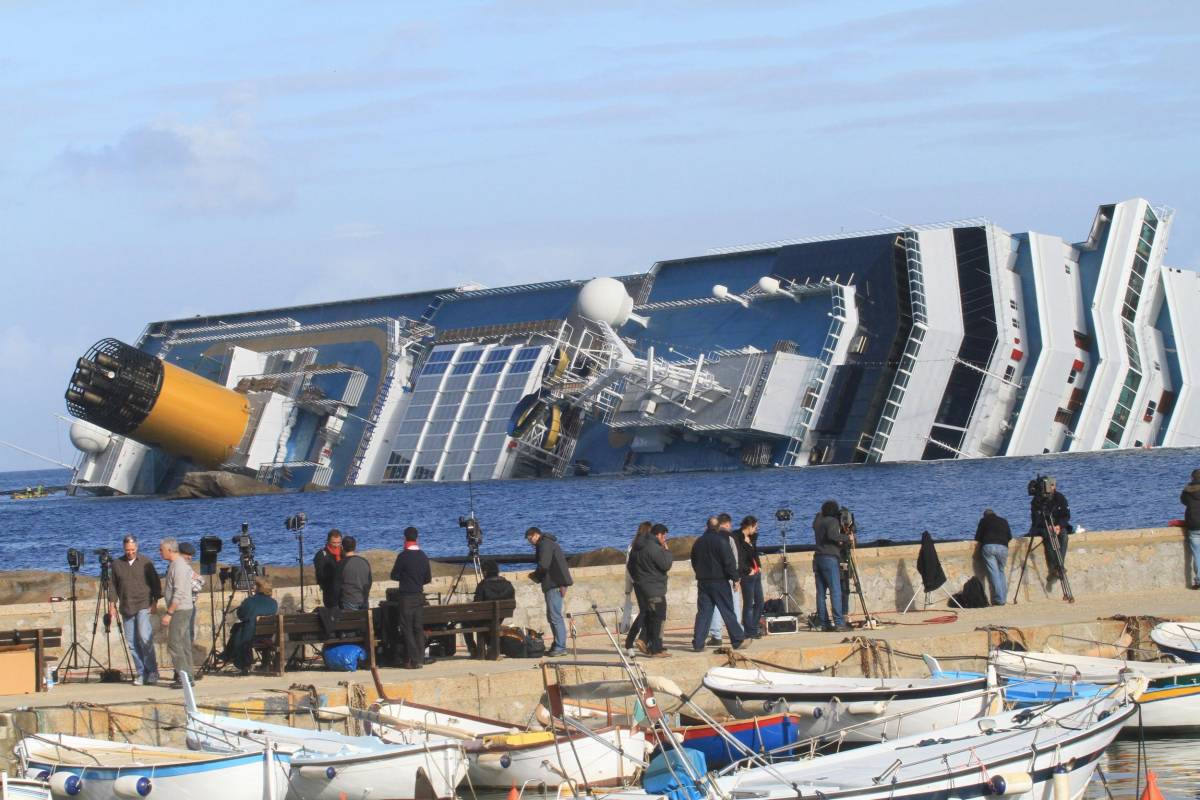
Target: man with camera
pixel 352 578
pixel 177 594
pixel 716 572
pixel 137 589
pixel 411 572
pixel 1190 497
pixel 992 536
pixel 830 539
pixel 325 561
pixel 554 577
pixel 1050 516
pixel 649 562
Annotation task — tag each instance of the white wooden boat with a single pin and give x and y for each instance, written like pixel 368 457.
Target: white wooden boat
pixel 325 765
pixel 861 709
pixel 97 769
pixel 23 788
pixel 501 755
pixel 1170 704
pixel 1179 639
pixel 1047 752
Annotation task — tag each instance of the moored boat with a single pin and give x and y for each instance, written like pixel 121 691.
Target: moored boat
pixel 862 709
pixel 1178 639
pixel 23 788
pixel 765 734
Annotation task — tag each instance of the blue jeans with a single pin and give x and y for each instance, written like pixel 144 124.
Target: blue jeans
pixel 829 578
pixel 139 635
pixel 714 627
pixel 1193 540
pixel 995 561
pixel 554 616
pixel 752 603
pixel 718 595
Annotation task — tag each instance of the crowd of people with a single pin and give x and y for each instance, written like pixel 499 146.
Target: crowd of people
pixel 725 563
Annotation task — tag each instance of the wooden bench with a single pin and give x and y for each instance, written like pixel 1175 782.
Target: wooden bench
pixel 39 640
pixel 274 633
pixel 483 618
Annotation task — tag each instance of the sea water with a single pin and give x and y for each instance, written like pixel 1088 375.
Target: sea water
pixel 1107 491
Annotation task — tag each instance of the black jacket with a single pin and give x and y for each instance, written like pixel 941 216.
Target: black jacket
pixel 1056 508
pixel 497 588
pixel 324 565
pixel 827 530
pixel 352 581
pixel 747 553
pixel 929 565
pixel 1190 497
pixel 649 564
pixel 552 571
pixel 993 529
pixel 712 559
pixel 411 571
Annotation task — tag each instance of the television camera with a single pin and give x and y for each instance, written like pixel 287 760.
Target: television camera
pixel 784 515
pixel 474 533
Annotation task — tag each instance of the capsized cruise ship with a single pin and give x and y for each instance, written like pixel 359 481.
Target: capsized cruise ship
pixel 954 340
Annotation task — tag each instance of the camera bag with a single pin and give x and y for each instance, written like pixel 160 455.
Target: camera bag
pixel 521 643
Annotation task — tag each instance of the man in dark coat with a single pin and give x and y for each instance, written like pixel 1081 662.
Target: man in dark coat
pixel 1190 497
pixel 492 587
pixel 716 572
pixel 241 636
pixel 553 575
pixel 411 572
pixel 324 563
pixel 827 530
pixel 648 567
pixel 1050 516
pixel 137 589
pixel 992 536
pixel 352 578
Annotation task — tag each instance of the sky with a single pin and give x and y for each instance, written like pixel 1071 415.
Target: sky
pixel 160 160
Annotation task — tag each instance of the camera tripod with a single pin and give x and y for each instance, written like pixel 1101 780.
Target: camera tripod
pixel 240 579
pixel 1049 541
pixel 80 656
pixel 475 565
pixel 850 577
pixel 788 599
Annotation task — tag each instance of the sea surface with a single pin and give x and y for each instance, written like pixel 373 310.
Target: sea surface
pixel 1107 490
pixel 1175 762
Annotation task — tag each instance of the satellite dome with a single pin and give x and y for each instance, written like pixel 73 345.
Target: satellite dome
pixel 88 438
pixel 605 300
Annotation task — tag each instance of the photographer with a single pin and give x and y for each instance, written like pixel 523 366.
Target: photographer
pixel 492 587
pixel 649 564
pixel 992 536
pixel 716 572
pixel 827 530
pixel 241 636
pixel 1050 516
pixel 137 589
pixel 352 578
pixel 325 563
pixel 750 570
pixel 554 576
pixel 411 572
pixel 177 593
pixel 1190 497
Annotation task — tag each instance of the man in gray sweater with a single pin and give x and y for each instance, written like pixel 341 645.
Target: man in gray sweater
pixel 177 594
pixel 352 578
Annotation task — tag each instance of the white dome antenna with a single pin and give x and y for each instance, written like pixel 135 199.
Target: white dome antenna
pixel 721 292
pixel 605 300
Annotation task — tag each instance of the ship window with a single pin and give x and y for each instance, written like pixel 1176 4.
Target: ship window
pixel 1009 371
pixel 432 368
pixel 499 354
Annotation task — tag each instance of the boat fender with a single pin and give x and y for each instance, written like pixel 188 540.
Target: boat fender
pixel 315 773
pixel 1062 783
pixel 807 710
pixel 43 776
pixel 1006 784
pixel 132 786
pixel 65 784
pixel 866 708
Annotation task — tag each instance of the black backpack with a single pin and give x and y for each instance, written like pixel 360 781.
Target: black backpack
pixel 972 595
pixel 521 643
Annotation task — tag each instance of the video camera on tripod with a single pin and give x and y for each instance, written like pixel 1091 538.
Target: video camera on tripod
pixel 248 566
pixel 474 533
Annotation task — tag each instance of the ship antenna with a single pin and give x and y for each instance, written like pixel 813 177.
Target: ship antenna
pixel 470 496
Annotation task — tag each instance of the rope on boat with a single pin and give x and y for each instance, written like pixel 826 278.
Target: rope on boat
pixel 1139 626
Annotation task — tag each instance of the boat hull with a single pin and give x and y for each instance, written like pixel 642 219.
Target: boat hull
pixel 758 734
pixel 432 772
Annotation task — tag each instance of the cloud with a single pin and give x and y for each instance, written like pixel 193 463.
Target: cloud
pixel 357 231
pixel 217 165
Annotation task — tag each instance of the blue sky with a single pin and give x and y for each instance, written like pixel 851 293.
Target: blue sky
pixel 159 160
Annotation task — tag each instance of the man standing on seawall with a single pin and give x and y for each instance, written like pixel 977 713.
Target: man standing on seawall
pixel 993 536
pixel 137 589
pixel 177 593
pixel 725 526
pixel 1190 497
pixel 649 566
pixel 554 576
pixel 827 529
pixel 1050 510
pixel 352 578
pixel 712 561
pixel 411 572
pixel 325 563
